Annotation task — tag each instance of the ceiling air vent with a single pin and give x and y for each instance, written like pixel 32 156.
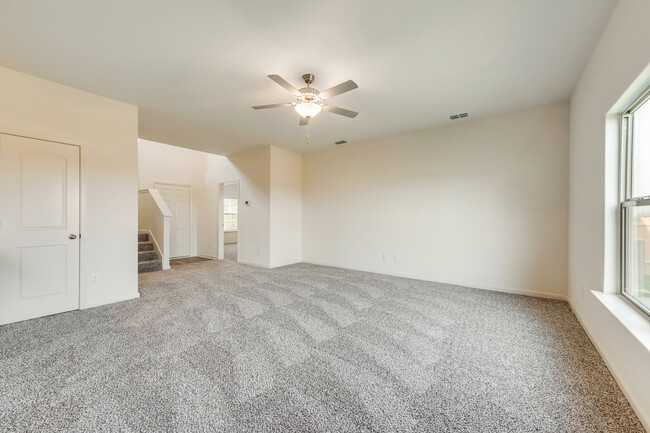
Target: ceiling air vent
pixel 459 116
pixel 340 142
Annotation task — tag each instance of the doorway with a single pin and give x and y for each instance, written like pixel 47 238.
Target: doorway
pixel 229 221
pixel 178 200
pixel 39 228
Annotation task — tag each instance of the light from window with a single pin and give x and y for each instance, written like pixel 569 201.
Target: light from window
pixel 635 207
pixel 230 214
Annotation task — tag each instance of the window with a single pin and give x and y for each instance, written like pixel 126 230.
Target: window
pixel 635 207
pixel 230 214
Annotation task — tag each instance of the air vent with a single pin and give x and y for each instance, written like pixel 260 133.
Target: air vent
pixel 340 142
pixel 459 116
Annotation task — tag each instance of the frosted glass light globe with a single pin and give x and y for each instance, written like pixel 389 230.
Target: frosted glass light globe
pixel 308 109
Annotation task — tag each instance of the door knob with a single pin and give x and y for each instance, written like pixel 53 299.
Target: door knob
pixel 72 237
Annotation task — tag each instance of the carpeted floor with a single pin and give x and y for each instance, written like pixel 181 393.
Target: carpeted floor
pixel 187 261
pixel 217 346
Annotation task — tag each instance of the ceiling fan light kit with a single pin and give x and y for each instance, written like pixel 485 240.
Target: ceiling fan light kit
pixel 308 109
pixel 310 101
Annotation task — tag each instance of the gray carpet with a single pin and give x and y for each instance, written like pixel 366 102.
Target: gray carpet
pixel 217 346
pixel 187 260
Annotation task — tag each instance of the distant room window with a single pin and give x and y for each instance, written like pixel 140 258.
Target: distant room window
pixel 230 214
pixel 635 207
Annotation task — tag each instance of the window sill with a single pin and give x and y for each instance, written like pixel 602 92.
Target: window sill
pixel 630 317
pixel 230 231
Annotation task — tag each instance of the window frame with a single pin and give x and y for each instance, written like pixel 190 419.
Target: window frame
pixel 628 201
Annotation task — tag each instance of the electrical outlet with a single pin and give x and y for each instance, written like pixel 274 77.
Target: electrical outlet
pixel 396 257
pixel 94 278
pixel 259 251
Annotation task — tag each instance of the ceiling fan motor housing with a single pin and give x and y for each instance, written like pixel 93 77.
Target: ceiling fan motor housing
pixel 309 94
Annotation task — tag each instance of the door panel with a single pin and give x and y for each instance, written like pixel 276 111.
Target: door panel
pixel 42 271
pixel 177 198
pixel 42 191
pixel 39 209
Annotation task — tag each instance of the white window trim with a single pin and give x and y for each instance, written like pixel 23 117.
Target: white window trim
pixel 627 201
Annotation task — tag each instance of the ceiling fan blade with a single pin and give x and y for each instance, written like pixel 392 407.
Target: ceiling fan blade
pixel 262 107
pixel 284 83
pixel 303 121
pixel 338 89
pixel 341 111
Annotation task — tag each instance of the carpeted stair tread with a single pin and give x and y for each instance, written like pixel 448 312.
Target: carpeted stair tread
pixel 146 256
pixel 145 246
pixel 150 266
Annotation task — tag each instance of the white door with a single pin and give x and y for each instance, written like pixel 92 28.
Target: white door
pixel 39 228
pixel 177 198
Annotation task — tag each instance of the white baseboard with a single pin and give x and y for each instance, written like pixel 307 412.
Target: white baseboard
pixel 535 294
pixel 110 301
pixel 284 264
pixel 241 262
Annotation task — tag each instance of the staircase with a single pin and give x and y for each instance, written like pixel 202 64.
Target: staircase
pixel 148 259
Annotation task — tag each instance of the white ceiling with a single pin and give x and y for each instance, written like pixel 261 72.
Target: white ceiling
pixel 195 68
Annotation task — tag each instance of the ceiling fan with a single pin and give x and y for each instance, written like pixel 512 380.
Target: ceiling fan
pixel 311 101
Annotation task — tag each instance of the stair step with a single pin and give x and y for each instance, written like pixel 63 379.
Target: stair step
pixel 145 246
pixel 150 266
pixel 145 256
pixel 143 237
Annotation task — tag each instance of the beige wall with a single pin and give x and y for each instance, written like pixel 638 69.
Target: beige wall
pixel 253 170
pixel 269 228
pixel 107 132
pixel 481 203
pixel 616 73
pixel 204 172
pixel 286 207
pixel 162 163
pixel 231 190
pixel 218 169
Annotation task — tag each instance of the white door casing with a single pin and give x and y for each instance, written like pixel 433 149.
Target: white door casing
pixel 177 198
pixel 220 222
pixel 39 213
